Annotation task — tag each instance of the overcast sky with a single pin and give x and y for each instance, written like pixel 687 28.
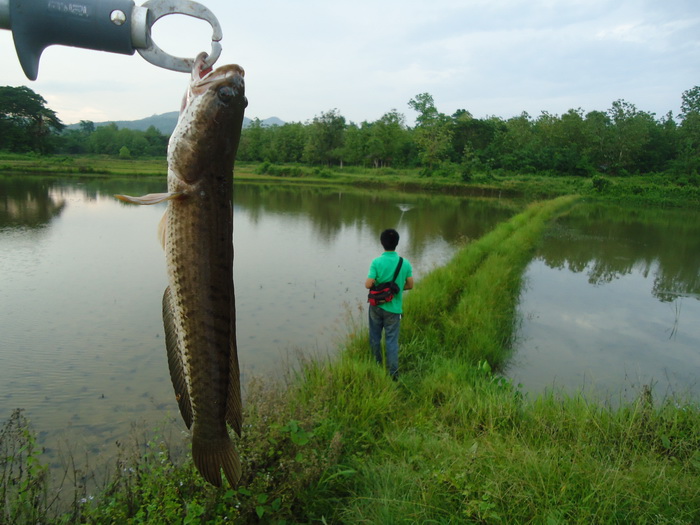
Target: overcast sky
pixel 366 57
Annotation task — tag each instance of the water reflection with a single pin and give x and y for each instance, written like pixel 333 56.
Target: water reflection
pixel 610 304
pixel 421 218
pixel 28 203
pixel 607 242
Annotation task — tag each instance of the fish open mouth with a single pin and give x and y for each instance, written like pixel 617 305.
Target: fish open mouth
pixel 203 77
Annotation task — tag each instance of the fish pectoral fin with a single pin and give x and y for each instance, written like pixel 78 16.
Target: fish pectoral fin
pixel 176 362
pixel 151 198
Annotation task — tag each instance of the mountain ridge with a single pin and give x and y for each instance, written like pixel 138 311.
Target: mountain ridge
pixel 165 123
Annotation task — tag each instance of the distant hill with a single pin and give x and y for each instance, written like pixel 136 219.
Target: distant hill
pixel 165 123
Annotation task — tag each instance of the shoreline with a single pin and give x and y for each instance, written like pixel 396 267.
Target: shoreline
pixel 664 190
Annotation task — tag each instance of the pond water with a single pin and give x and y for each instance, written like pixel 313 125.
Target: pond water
pixel 611 304
pixel 610 300
pixel 82 276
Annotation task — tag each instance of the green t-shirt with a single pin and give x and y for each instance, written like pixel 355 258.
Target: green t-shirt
pixel 382 270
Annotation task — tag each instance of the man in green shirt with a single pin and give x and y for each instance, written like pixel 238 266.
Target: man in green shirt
pixel 387 317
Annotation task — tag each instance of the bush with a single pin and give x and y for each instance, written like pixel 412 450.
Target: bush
pixel 267 168
pixel 324 173
pixel 600 184
pixel 263 168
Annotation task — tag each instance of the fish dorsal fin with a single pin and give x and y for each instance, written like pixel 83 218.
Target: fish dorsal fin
pixel 176 361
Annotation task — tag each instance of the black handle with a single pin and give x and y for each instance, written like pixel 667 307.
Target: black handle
pixel 103 25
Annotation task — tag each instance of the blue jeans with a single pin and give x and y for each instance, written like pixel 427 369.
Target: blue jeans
pixel 380 319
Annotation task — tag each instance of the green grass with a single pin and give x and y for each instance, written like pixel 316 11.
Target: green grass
pixel 451 442
pixel 455 442
pixel 663 190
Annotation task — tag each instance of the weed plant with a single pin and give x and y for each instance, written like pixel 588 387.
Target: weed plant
pixel 23 495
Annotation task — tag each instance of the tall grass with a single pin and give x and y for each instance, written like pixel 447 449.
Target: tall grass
pixel 455 442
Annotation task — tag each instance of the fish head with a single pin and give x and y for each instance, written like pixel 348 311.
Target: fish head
pixel 208 131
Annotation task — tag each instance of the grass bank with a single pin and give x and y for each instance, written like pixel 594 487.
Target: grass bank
pixel 451 442
pixel 667 190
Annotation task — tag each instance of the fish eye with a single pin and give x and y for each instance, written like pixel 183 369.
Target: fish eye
pixel 225 94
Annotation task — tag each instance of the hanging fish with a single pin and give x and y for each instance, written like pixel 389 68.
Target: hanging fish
pixel 199 313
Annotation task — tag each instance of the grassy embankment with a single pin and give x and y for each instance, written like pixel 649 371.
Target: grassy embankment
pixel 451 442
pixel 657 190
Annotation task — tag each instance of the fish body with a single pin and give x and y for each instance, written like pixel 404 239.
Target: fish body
pixel 199 314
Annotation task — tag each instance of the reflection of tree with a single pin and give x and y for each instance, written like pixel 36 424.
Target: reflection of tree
pixel 608 242
pixel 35 201
pixel 27 202
pixel 332 210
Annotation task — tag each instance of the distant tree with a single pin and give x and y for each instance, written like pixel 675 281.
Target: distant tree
pixel 690 102
pixel 88 126
pixel 629 135
pixel 662 147
pixel 325 138
pixel 356 144
pixel 572 144
pixel 135 141
pixel 73 141
pixel 433 134
pixel 515 146
pixel 424 105
pixel 481 136
pixel 110 140
pixel 688 142
pixel 386 138
pixel 462 133
pixel 26 123
pixel 561 144
pixel 597 129
pixel 254 142
pixel 287 142
pixel 105 140
pixel 157 142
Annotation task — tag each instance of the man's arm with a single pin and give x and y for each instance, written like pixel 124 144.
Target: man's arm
pixel 409 284
pixel 369 283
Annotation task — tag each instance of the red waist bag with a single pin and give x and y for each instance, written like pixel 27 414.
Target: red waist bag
pixel 382 293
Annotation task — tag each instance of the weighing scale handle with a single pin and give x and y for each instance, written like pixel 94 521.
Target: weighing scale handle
pixel 117 26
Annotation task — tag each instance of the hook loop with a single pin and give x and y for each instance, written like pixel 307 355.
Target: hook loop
pixel 151 11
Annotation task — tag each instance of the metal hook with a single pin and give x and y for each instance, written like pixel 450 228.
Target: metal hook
pixel 150 12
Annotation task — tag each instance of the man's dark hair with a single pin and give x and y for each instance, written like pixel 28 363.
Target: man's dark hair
pixel 389 239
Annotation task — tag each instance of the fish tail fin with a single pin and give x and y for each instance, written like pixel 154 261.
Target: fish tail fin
pixel 211 456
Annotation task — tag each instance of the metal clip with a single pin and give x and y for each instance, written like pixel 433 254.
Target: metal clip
pixel 150 12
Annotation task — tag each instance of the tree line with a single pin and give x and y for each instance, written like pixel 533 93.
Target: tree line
pixel 111 140
pixel 28 125
pixel 621 140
